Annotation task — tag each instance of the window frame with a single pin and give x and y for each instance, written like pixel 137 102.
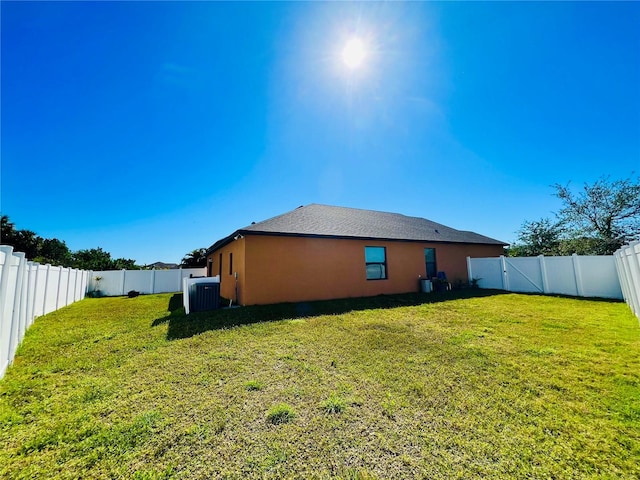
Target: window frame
pixel 385 270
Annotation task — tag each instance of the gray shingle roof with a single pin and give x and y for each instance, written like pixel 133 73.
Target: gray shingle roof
pixel 325 220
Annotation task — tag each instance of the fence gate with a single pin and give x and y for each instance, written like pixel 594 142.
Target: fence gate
pixel 582 276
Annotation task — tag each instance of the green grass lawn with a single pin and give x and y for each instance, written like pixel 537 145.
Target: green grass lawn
pixel 478 384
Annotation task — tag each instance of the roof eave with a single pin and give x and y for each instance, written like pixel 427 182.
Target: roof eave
pixel 354 237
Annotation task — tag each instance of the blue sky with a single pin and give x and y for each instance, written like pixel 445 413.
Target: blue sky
pixel 154 128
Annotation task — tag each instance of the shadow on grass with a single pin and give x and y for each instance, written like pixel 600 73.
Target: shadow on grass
pixel 184 326
pixel 572 297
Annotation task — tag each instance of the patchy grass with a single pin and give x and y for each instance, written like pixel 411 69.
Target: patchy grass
pixel 253 385
pixel 334 404
pixel 490 386
pixel 281 413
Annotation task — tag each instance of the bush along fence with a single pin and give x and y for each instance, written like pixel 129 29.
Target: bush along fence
pixel 580 276
pixel 111 283
pixel 628 264
pixel 28 290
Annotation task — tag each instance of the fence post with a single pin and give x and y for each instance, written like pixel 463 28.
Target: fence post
pixel 624 275
pixel 543 272
pixel 124 272
pixel 17 305
pixel 634 280
pixel 23 318
pixel 469 272
pixel 505 277
pixel 629 260
pixel 75 286
pixel 35 296
pixel 31 292
pixel 85 282
pixel 577 273
pixel 46 287
pixel 66 293
pixel 152 287
pixel 4 278
pixel 5 320
pixel 58 290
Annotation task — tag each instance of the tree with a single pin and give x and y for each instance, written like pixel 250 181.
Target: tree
pixel 92 259
pixel 55 252
pixel 7 230
pixel 540 237
pixel 21 240
pixel 195 258
pixel 607 212
pixel 597 220
pixel 124 264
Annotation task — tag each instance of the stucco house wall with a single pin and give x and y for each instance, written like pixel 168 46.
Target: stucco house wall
pixel 317 252
pixel 273 268
pixel 222 263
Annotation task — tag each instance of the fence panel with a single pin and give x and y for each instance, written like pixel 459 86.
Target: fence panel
pixel 51 294
pixel 168 281
pixel 8 283
pixel 561 276
pixel 71 287
pixel 110 283
pixel 62 288
pixel 628 269
pixel 599 276
pixel 28 290
pixel 524 275
pixel 120 282
pixel 583 276
pixel 39 290
pixel 487 271
pixel 138 280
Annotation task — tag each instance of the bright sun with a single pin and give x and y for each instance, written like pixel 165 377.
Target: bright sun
pixel 353 53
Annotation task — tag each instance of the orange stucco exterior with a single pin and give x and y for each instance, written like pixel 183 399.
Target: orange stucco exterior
pixel 273 269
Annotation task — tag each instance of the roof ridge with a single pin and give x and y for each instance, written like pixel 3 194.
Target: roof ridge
pixel 272 218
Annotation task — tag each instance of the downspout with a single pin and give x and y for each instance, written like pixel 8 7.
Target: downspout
pixel 236 275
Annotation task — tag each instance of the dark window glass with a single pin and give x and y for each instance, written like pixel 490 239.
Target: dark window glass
pixel 220 267
pixel 430 262
pixel 375 259
pixel 230 263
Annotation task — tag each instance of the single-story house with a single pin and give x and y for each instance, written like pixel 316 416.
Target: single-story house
pixel 318 252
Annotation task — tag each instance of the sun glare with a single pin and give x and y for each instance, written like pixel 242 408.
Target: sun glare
pixel 353 53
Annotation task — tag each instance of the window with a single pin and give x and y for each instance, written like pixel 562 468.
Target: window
pixel 209 267
pixel 376 262
pixel 220 267
pixel 430 262
pixel 230 263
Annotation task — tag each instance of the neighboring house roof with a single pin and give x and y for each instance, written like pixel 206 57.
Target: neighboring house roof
pixel 162 265
pixel 340 222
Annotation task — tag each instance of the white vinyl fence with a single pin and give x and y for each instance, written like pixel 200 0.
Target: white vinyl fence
pixel 581 276
pixel 628 265
pixel 29 290
pixel 119 282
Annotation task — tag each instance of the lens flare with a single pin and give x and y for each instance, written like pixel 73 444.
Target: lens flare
pixel 353 53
